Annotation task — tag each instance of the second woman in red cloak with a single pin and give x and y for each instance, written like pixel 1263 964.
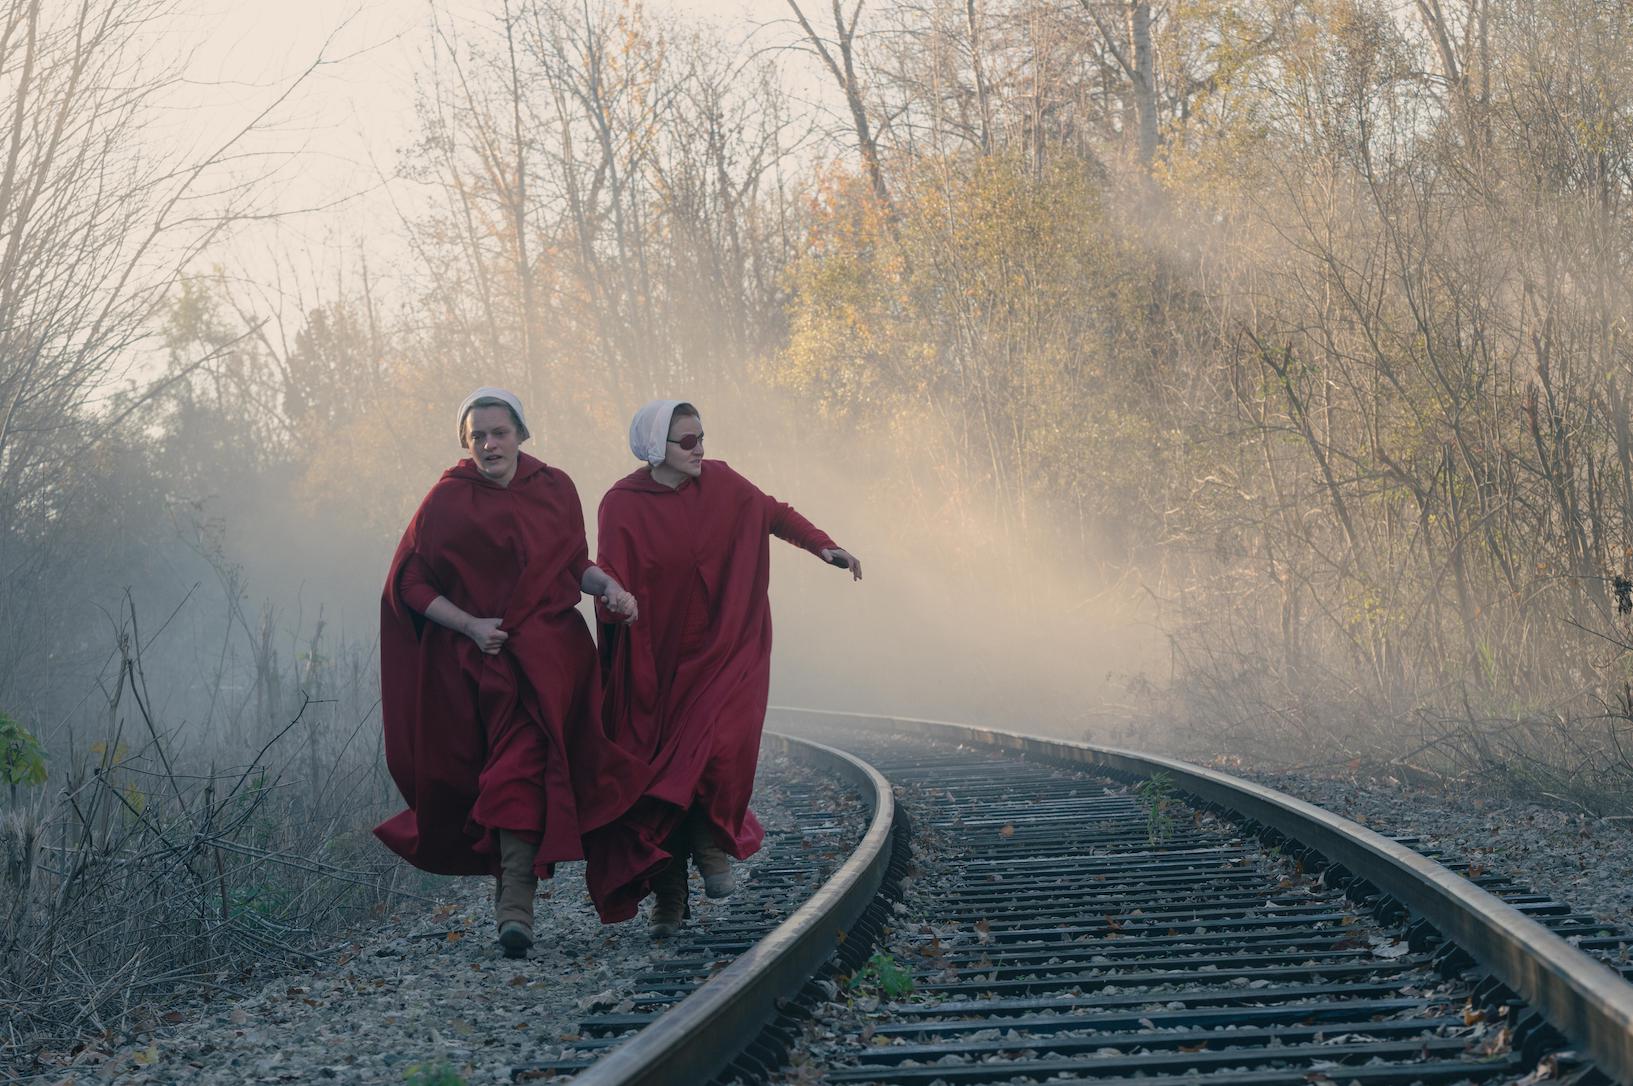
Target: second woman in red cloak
pixel 686 687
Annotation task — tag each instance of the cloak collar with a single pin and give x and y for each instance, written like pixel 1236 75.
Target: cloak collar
pixel 641 481
pixel 466 471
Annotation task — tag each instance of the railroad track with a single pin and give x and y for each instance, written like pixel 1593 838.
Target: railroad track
pixel 708 1007
pixel 1079 926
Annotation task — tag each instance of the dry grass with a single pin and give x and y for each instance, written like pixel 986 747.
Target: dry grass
pixel 131 882
pixel 1574 752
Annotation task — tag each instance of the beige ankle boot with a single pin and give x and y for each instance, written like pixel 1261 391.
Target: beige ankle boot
pixel 513 905
pixel 669 898
pixel 712 862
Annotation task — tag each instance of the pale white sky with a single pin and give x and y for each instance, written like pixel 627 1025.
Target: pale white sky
pixel 341 130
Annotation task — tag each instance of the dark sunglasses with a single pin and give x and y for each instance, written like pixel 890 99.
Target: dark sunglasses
pixel 687 441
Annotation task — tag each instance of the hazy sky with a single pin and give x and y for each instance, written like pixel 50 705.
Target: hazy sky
pixel 357 110
pixel 339 133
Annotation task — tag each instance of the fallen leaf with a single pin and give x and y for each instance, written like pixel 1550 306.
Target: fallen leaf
pixel 1547 1068
pixel 1496 1044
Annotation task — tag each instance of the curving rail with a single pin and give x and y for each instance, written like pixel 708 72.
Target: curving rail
pixel 1581 997
pixel 697 1038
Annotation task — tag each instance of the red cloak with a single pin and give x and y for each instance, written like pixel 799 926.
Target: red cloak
pixel 513 741
pixel 686 685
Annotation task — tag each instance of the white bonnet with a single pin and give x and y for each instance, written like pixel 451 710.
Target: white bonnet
pixel 504 396
pixel 649 431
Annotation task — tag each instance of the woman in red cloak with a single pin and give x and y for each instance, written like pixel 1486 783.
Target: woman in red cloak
pixel 686 688
pixel 489 688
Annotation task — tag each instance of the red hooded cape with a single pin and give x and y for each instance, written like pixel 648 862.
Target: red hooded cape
pixel 686 685
pixel 480 743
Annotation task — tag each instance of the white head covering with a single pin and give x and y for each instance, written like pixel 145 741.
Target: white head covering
pixel 506 397
pixel 649 432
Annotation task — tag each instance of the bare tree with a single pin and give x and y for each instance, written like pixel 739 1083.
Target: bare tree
pixel 96 227
pixel 1132 49
pixel 839 57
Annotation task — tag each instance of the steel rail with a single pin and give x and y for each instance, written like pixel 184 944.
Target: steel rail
pixel 1580 996
pixel 696 1039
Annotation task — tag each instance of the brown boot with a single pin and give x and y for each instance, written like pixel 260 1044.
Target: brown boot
pixel 669 898
pixel 712 862
pixel 513 900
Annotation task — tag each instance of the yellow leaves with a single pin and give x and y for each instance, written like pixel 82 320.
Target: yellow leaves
pixel 991 280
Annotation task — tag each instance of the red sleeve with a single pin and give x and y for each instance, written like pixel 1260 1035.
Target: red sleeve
pixel 415 584
pixel 787 524
pixel 612 555
pixel 580 562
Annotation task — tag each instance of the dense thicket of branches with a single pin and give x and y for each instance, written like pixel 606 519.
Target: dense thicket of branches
pixel 1340 358
pixel 181 831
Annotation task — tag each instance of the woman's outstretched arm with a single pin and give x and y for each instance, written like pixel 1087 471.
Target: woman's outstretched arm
pixel 789 524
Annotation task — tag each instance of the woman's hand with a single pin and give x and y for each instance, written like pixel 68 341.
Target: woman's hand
pixel 609 593
pixel 484 631
pixel 618 601
pixel 487 634
pixel 844 559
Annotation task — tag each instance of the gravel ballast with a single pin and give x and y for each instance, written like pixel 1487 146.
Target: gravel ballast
pixel 1584 861
pixel 427 997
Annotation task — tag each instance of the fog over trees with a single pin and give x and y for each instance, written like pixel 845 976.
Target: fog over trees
pixel 1298 328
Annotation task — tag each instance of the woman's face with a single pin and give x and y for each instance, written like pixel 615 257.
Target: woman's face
pixel 686 461
pixel 493 442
